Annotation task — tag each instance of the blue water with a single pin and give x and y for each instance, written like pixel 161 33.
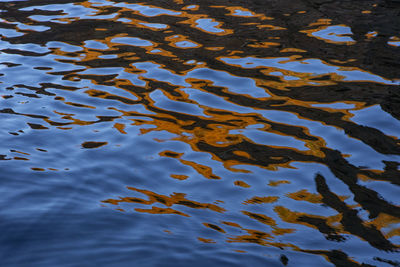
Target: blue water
pixel 195 133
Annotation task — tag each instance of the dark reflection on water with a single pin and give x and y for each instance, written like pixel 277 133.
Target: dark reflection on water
pixel 177 133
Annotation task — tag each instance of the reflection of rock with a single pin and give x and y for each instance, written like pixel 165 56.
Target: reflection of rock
pixel 351 221
pixel 291 31
pixel 391 102
pixel 392 1
pixel 319 2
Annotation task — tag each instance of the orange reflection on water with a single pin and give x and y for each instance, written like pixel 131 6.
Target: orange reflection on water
pixel 193 71
pixel 173 199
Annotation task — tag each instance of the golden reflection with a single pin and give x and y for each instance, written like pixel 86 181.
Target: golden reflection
pixel 191 7
pixel 331 34
pixel 173 199
pixel 292 50
pixel 157 210
pixel 304 195
pixel 179 176
pixel 260 200
pixel 243 86
pixel 264 45
pixel 295 217
pixel 242 184
pixel 206 240
pixel 271 28
pixel 196 21
pixel 277 183
pixel 181 41
pixel 120 127
pixel 201 169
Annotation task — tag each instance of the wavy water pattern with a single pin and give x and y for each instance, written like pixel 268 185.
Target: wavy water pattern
pixel 178 133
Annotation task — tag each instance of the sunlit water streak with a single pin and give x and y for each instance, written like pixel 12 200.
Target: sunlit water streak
pixel 221 133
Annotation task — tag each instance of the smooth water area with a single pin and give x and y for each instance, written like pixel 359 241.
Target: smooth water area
pixel 199 133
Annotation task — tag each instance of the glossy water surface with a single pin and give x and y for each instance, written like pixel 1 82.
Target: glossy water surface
pixel 195 133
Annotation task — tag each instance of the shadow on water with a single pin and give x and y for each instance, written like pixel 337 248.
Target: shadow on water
pixel 176 133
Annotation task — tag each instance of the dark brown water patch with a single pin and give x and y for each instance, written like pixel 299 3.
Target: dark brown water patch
pixel 93 144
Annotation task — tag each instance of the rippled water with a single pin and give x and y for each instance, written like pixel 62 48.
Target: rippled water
pixel 194 133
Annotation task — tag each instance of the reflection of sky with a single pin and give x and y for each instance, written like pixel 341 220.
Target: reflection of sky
pixel 147 10
pixel 334 105
pixel 27 75
pixel 122 74
pixel 214 101
pixel 286 77
pixel 334 138
pixel 185 44
pixel 10 33
pixel 394 41
pixel 242 13
pixel 68 10
pixel 23 47
pixel 333 34
pixel 37 28
pixel 95 45
pixel 154 25
pixel 72 10
pixel 64 46
pixel 376 118
pixel 260 136
pixel 135 41
pixel 154 71
pixel 314 66
pixel 191 7
pixel 208 25
pixel 134 158
pixel 239 85
pixel 108 56
pixel 164 102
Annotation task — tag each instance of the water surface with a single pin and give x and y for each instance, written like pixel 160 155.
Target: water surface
pixel 195 133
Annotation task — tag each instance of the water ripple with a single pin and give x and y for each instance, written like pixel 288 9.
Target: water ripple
pixel 221 133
